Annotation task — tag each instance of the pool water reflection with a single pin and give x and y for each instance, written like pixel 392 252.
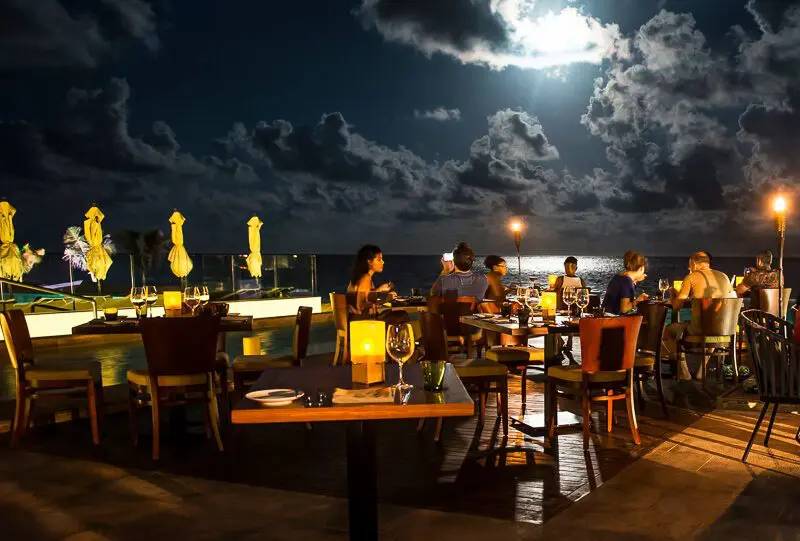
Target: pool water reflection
pixel 116 359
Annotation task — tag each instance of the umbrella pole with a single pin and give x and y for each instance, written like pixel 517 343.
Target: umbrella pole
pixel 71 287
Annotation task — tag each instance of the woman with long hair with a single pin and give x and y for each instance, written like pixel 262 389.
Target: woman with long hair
pixel 620 296
pixel 369 261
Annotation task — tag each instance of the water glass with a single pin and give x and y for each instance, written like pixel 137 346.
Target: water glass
pixel 432 375
pixel 663 287
pixel 191 297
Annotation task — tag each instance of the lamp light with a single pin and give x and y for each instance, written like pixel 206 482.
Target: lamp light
pixel 172 303
pixel 548 301
pixel 368 351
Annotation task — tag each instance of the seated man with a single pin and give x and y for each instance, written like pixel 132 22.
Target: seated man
pixel 568 279
pixel 498 268
pixel 760 277
pixel 702 282
pixel 457 278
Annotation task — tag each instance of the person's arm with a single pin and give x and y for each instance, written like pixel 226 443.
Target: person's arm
pixel 494 289
pixel 559 285
pixel 363 289
pixel 678 298
pixel 436 289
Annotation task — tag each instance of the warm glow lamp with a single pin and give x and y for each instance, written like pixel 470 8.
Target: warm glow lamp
pixel 368 351
pixel 779 208
pixel 548 301
pixel 739 280
pixel 677 284
pixel 172 303
pixel 251 345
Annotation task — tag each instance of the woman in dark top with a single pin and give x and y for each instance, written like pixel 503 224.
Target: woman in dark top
pixel 620 295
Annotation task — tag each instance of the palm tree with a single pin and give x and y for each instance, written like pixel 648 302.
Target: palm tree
pixel 76 247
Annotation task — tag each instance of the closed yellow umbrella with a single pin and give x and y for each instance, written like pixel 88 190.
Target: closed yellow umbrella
pixel 254 239
pixel 178 257
pixel 97 259
pixel 10 258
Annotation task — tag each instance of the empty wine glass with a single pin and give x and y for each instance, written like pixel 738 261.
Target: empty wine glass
pixel 582 299
pixel 569 296
pixel 400 347
pixel 663 287
pixel 203 296
pixel 191 297
pixel 533 300
pixel 138 299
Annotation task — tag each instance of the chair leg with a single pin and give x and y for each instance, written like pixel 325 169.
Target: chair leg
pixel 133 416
pixel 101 407
pixel 154 407
pixel 551 408
pixel 609 412
pixel 503 397
pixel 437 434
pixel 30 413
pixel 660 388
pixel 238 385
pixel 420 424
pixel 755 431
pixel 632 417
pixel 225 409
pixel 640 390
pixel 587 414
pixel 92 396
pixel 213 408
pixel 483 395
pixel 734 361
pixel 337 350
pixel 19 417
pixel 523 386
pixel 769 426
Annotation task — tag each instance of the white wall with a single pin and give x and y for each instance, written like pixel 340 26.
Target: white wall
pixel 61 323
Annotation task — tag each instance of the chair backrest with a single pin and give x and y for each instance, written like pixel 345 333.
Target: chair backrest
pixel 766 300
pixel 302 330
pixel 489 307
pixel 434 336
pixel 653 323
pixel 339 309
pixel 715 317
pixel 609 343
pixel 775 355
pixel 394 317
pixel 18 339
pixel 180 345
pixel 451 309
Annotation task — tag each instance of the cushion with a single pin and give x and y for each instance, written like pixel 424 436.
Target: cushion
pixel 516 354
pixel 460 339
pixel 259 363
pixel 644 359
pixel 575 374
pixel 141 377
pixel 475 368
pixel 706 339
pixel 43 371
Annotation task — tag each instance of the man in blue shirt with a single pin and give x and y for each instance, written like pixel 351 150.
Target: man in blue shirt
pixel 457 278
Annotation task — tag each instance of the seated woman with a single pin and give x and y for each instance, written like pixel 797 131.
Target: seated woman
pixel 369 261
pixel 497 270
pixel 620 296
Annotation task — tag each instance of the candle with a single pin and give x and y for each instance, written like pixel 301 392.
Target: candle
pixel 251 345
pixel 368 350
pixel 548 301
pixel 739 280
pixel 551 281
pixel 677 284
pixel 172 303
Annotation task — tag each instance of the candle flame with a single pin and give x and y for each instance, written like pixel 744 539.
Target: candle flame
pixel 779 204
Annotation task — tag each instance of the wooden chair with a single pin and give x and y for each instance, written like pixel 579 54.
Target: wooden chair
pixel 767 300
pixel 776 361
pixel 608 352
pixel 247 368
pixel 339 309
pixel 181 358
pixel 712 334
pixel 36 381
pixel 648 350
pixel 483 375
pixel 460 338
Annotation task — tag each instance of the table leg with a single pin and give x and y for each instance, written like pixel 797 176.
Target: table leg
pixel 362 491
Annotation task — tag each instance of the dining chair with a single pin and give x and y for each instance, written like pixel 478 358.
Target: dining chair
pixel 481 375
pixel 460 338
pixel 766 300
pixel 181 355
pixel 648 350
pixel 339 308
pixel 248 368
pixel 608 354
pixel 36 380
pixel 711 334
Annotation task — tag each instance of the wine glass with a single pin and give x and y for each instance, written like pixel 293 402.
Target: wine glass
pixel 203 296
pixel 569 296
pixel 533 299
pixel 138 299
pixel 191 297
pixel 663 287
pixel 582 298
pixel 400 347
pixel 150 295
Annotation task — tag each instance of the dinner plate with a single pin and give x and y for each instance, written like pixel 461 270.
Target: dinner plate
pixel 275 397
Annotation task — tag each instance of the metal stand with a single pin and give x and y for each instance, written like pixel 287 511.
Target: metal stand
pixel 517 240
pixel 362 490
pixel 780 226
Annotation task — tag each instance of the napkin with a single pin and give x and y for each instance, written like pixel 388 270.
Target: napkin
pixel 363 396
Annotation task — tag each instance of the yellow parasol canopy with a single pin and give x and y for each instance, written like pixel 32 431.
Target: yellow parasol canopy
pixel 10 258
pixel 97 259
pixel 254 239
pixel 178 257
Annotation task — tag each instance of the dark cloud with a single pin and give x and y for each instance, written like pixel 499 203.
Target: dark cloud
pixel 440 114
pixel 769 13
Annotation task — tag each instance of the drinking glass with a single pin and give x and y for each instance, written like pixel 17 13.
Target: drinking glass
pixel 533 299
pixel 138 299
pixel 569 296
pixel 663 287
pixel 582 299
pixel 150 295
pixel 191 296
pixel 400 347
pixel 203 295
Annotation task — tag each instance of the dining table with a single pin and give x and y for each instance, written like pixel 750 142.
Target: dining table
pixel 317 404
pixel 229 323
pixel 551 330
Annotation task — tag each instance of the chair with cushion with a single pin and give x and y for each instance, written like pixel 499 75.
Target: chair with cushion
pixel 712 334
pixel 460 338
pixel 482 375
pixel 248 368
pixel 37 380
pixel 776 361
pixel 181 358
pixel 648 350
pixel 339 309
pixel 608 354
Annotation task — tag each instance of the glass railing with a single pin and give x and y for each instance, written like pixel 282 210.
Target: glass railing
pixel 226 275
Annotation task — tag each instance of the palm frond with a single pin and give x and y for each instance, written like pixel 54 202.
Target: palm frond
pixel 109 245
pixel 75 247
pixel 30 257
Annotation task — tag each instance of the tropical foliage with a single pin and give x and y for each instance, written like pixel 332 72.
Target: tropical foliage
pixel 76 247
pixel 30 258
pixel 146 248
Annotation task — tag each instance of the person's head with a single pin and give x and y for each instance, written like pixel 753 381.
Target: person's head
pixel 463 257
pixel 764 259
pixel 369 259
pixel 571 266
pixel 699 261
pixel 635 264
pixel 497 264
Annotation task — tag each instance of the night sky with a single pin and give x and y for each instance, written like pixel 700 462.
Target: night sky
pixel 607 125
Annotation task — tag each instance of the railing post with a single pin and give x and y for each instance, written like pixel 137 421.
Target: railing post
pixel 233 274
pixel 133 280
pixel 275 271
pixel 313 274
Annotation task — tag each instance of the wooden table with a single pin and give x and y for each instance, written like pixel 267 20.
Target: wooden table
pixel 131 326
pixel 537 422
pixel 454 401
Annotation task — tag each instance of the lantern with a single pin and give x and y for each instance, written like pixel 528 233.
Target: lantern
pixel 251 345
pixel 548 301
pixel 368 351
pixel 172 303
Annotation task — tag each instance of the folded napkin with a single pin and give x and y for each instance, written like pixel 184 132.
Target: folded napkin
pixel 363 396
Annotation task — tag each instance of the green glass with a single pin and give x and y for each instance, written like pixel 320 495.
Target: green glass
pixel 432 374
